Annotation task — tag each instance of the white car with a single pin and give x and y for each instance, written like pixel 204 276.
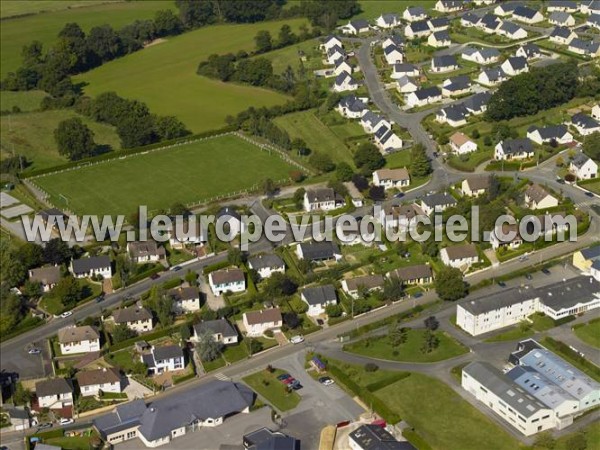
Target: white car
pixel 326 381
pixel 66 314
pixel 65 421
pixel 297 339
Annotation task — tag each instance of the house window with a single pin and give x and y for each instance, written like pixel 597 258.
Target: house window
pixel 131 434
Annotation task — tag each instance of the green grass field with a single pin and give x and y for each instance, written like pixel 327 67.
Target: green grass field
pixel 12 8
pixel 594 187
pixel 24 100
pixel 371 9
pixel 409 351
pixel 442 418
pixel 273 390
pixel 17 32
pixel 164 76
pixel 32 135
pixel 589 333
pixel 188 173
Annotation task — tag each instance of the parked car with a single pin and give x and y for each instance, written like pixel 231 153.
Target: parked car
pixel 399 195
pixel 283 376
pixel 528 276
pixel 176 268
pixel 560 181
pixel 289 380
pixel 34 351
pixel 320 322
pixel 65 421
pixel 590 194
pixel 66 314
pixel 417 294
pixel 297 339
pixel 154 276
pixel 545 271
pixel 100 298
pixel 502 284
pixel 326 381
pixel 296 385
pixel 43 426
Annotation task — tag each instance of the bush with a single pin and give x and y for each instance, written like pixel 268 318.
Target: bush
pixel 371 367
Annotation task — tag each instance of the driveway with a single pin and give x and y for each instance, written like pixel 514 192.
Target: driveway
pixel 134 389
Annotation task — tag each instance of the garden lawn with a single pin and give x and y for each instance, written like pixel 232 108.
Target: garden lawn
pixel 273 390
pixel 318 136
pixel 410 351
pixel 191 174
pixel 164 76
pixel 20 31
pixel 53 304
pixel 589 333
pixel 442 418
pixel 594 187
pixel 24 100
pixel 32 135
pixel 122 359
pixel 70 443
pixel 540 322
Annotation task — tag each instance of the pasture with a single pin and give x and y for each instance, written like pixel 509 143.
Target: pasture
pixel 187 173
pixel 371 9
pixel 19 31
pixel 12 8
pixel 32 135
pixel 164 76
pixel 24 100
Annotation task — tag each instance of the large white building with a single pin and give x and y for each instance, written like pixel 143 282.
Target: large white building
pixel 509 307
pixel 83 339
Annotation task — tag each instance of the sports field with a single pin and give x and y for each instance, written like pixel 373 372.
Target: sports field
pixel 44 27
pixel 188 173
pixel 164 76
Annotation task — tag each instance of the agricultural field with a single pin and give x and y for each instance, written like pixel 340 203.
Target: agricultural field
pixel 24 100
pixel 188 173
pixel 12 8
pixel 32 136
pixel 164 76
pixel 371 9
pixel 19 31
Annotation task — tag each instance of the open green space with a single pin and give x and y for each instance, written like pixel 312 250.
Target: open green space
pixel 164 76
pixel 53 303
pixel 70 443
pixel 24 100
pixel 410 351
pixel 20 31
pixel 371 9
pixel 539 322
pixel 12 8
pixel 273 390
pixel 304 54
pixel 190 173
pixel 442 418
pixel 32 135
pixel 589 332
pixel 593 187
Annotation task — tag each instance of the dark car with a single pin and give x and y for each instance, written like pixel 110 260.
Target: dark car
pixel 417 295
pixel 399 195
pixel 296 385
pixel 176 268
pixel 283 376
pixel 546 271
pixel 589 194
pixel 320 322
pixel 154 276
pixel 43 426
pixel 501 284
pixel 560 181
pixel 528 276
pixel 100 298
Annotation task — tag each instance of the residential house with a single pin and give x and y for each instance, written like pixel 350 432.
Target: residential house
pixel 352 107
pixel 477 104
pixel 54 393
pixel 146 252
pixel 227 280
pixel 585 47
pixel 393 55
pixel 453 87
pixel 512 31
pixel 406 85
pixel 453 115
pixel 191 233
pixel 105 380
pixel 557 133
pixel 318 298
pixel 461 256
pixel 95 266
pixel 590 7
pixel 469 20
pixel 492 76
pixel 484 2
pixel 510 149
pixel 594 21
pixel 561 19
pixel 461 144
pixel 404 70
pixel 371 122
pixel 489 23
pixel 266 265
pixel 20 419
pixel 507 236
pixel 562 35
pixel 596 112
pixel 135 317
pixel 448 6
pixel 330 42
pixel 437 202
pixel 84 339
pixel 506 8
pixel 357 26
pixel 373 437
pixel 335 53
pixel 180 413
pixel 424 96
pixel 400 217
pixel 438 24
pixel 562 5
pixel 47 277
pixel 595 270
pixel 445 63
pixel 481 55
pixel 386 140
pixel 220 329
pixel 515 65
pixel 585 258
pixel 345 82
pixel 340 66
pixel 318 251
pixel 527 15
pixel 167 358
pixel 439 39
pixel 257 322
pixel 584 124
pixel 387 21
pixel 415 30
pixel 369 283
pixel 536 197
pixel 322 199
pixel 391 178
pixel 418 274
pixel 414 14
pixel 185 299
pixel 395 40
pixel 529 51
pixel 475 186
pixel 264 439
pixel 583 167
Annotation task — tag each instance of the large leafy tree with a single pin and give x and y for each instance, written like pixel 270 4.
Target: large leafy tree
pixel 420 165
pixel 74 139
pixel 208 348
pixel 367 155
pixel 449 284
